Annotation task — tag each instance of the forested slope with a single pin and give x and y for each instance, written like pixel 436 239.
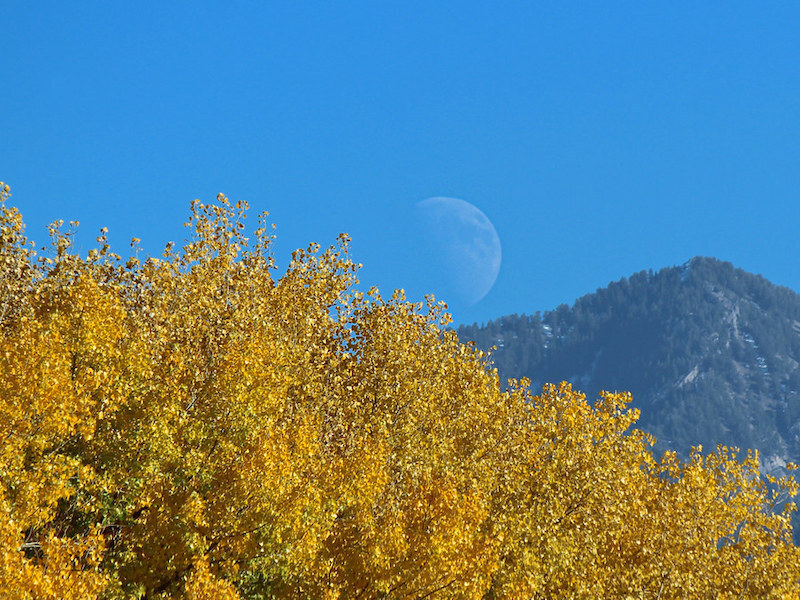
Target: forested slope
pixel 711 354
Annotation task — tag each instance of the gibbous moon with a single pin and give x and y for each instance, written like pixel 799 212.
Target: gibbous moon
pixel 461 249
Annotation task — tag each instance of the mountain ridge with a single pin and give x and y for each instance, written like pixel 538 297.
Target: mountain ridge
pixel 710 352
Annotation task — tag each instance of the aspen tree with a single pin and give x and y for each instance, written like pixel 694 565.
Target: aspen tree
pixel 194 426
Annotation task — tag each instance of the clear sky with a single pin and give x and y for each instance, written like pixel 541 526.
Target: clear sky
pixel 600 138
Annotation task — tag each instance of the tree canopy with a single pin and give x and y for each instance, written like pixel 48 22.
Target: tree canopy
pixel 192 426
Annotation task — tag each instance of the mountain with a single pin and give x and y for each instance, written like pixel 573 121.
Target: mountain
pixel 710 352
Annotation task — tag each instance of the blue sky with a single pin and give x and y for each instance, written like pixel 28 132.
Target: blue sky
pixel 600 138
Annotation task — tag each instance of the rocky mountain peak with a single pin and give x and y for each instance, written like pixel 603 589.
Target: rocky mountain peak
pixel 710 352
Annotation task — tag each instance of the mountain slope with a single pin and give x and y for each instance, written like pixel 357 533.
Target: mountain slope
pixel 711 354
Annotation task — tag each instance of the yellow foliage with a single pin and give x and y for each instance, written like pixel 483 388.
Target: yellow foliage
pixel 191 427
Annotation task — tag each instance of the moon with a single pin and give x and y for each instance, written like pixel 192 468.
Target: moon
pixel 460 247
